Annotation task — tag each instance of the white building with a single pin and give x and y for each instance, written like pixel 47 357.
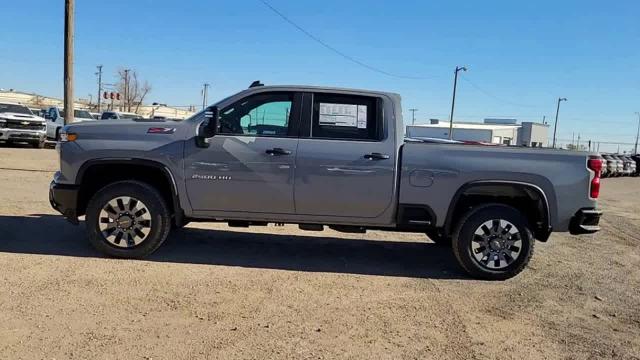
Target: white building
pixel 35 102
pixel 496 131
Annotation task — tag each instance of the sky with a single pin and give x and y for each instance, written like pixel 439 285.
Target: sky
pixel 521 55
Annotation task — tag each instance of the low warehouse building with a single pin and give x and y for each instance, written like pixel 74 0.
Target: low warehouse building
pixel 496 131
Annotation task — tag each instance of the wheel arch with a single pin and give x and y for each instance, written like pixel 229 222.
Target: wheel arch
pixel 504 191
pixel 94 174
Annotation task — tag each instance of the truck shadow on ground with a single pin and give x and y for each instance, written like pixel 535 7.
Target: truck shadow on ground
pixel 52 235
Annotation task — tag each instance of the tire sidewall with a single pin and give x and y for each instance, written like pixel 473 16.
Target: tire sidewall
pixel 463 237
pixel 160 220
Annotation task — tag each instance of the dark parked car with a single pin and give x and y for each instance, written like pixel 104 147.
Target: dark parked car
pixel 631 163
pixel 636 158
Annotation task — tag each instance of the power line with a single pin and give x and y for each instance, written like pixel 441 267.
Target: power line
pixel 338 52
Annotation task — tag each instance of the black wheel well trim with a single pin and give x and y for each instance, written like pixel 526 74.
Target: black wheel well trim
pixel 454 201
pixel 402 207
pixel 179 212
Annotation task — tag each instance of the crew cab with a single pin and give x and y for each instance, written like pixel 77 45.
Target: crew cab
pixel 319 157
pixel 55 120
pixel 19 124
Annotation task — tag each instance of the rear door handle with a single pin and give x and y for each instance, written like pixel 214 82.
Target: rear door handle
pixel 376 156
pixel 278 152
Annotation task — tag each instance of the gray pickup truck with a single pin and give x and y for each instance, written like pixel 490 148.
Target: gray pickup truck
pixel 319 157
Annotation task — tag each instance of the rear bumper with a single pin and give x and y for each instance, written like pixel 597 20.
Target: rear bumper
pixel 585 221
pixel 64 199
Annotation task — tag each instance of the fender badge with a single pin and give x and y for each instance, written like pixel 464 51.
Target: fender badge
pixel 161 130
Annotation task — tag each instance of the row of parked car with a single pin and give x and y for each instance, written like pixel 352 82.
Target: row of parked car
pixel 20 124
pixel 620 165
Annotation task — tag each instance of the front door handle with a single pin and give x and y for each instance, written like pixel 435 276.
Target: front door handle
pixel 376 156
pixel 278 152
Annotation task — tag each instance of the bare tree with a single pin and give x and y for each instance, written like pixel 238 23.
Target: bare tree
pixel 132 89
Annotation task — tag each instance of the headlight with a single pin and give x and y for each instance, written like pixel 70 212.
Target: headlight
pixel 67 137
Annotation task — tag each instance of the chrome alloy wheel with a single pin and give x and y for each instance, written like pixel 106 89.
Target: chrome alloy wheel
pixel 125 222
pixel 496 244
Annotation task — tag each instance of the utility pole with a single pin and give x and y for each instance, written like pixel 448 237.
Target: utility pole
pixel 205 94
pixel 68 60
pixel 555 127
pixel 637 134
pixel 544 119
pixel 413 116
pixel 99 73
pixel 453 101
pixel 578 144
pixel 126 89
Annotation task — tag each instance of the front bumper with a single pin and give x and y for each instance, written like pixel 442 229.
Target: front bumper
pixel 64 199
pixel 585 221
pixel 22 135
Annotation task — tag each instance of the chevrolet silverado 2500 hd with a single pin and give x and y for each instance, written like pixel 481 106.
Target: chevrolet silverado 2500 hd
pixel 319 157
pixel 19 124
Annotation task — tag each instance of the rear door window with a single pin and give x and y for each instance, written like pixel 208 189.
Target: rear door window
pixel 346 117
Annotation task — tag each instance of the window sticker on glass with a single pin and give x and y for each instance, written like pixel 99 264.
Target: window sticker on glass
pixel 343 115
pixel 362 116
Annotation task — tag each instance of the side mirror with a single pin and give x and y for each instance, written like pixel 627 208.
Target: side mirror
pixel 47 116
pixel 209 127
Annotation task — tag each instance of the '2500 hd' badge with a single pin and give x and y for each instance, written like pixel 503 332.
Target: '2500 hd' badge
pixel 210 177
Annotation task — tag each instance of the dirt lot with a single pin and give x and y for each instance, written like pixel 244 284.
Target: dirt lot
pixel 212 292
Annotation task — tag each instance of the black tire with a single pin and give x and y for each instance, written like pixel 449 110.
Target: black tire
pixel 439 238
pixel 465 233
pixel 38 145
pixel 160 219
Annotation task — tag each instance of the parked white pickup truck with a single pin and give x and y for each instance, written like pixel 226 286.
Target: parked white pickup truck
pixel 18 124
pixel 55 120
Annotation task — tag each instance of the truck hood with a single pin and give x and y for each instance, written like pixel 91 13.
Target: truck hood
pixel 128 131
pixel 20 117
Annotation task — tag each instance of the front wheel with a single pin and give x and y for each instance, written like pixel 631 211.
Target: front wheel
pixel 127 219
pixel 39 144
pixel 493 242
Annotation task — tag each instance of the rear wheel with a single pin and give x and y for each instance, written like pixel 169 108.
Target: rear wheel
pixel 127 219
pixel 493 242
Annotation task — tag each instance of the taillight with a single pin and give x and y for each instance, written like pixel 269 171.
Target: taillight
pixel 595 164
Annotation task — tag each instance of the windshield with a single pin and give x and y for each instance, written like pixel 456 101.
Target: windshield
pixel 130 116
pixel 82 114
pixel 12 108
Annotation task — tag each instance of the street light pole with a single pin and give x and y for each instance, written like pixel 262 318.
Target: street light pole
pixel 453 101
pixel 413 116
pixel 637 134
pixel 555 127
pixel 68 60
pixel 99 73
pixel 205 93
pixel 126 89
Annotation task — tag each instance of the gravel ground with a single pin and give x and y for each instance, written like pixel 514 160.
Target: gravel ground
pixel 278 292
